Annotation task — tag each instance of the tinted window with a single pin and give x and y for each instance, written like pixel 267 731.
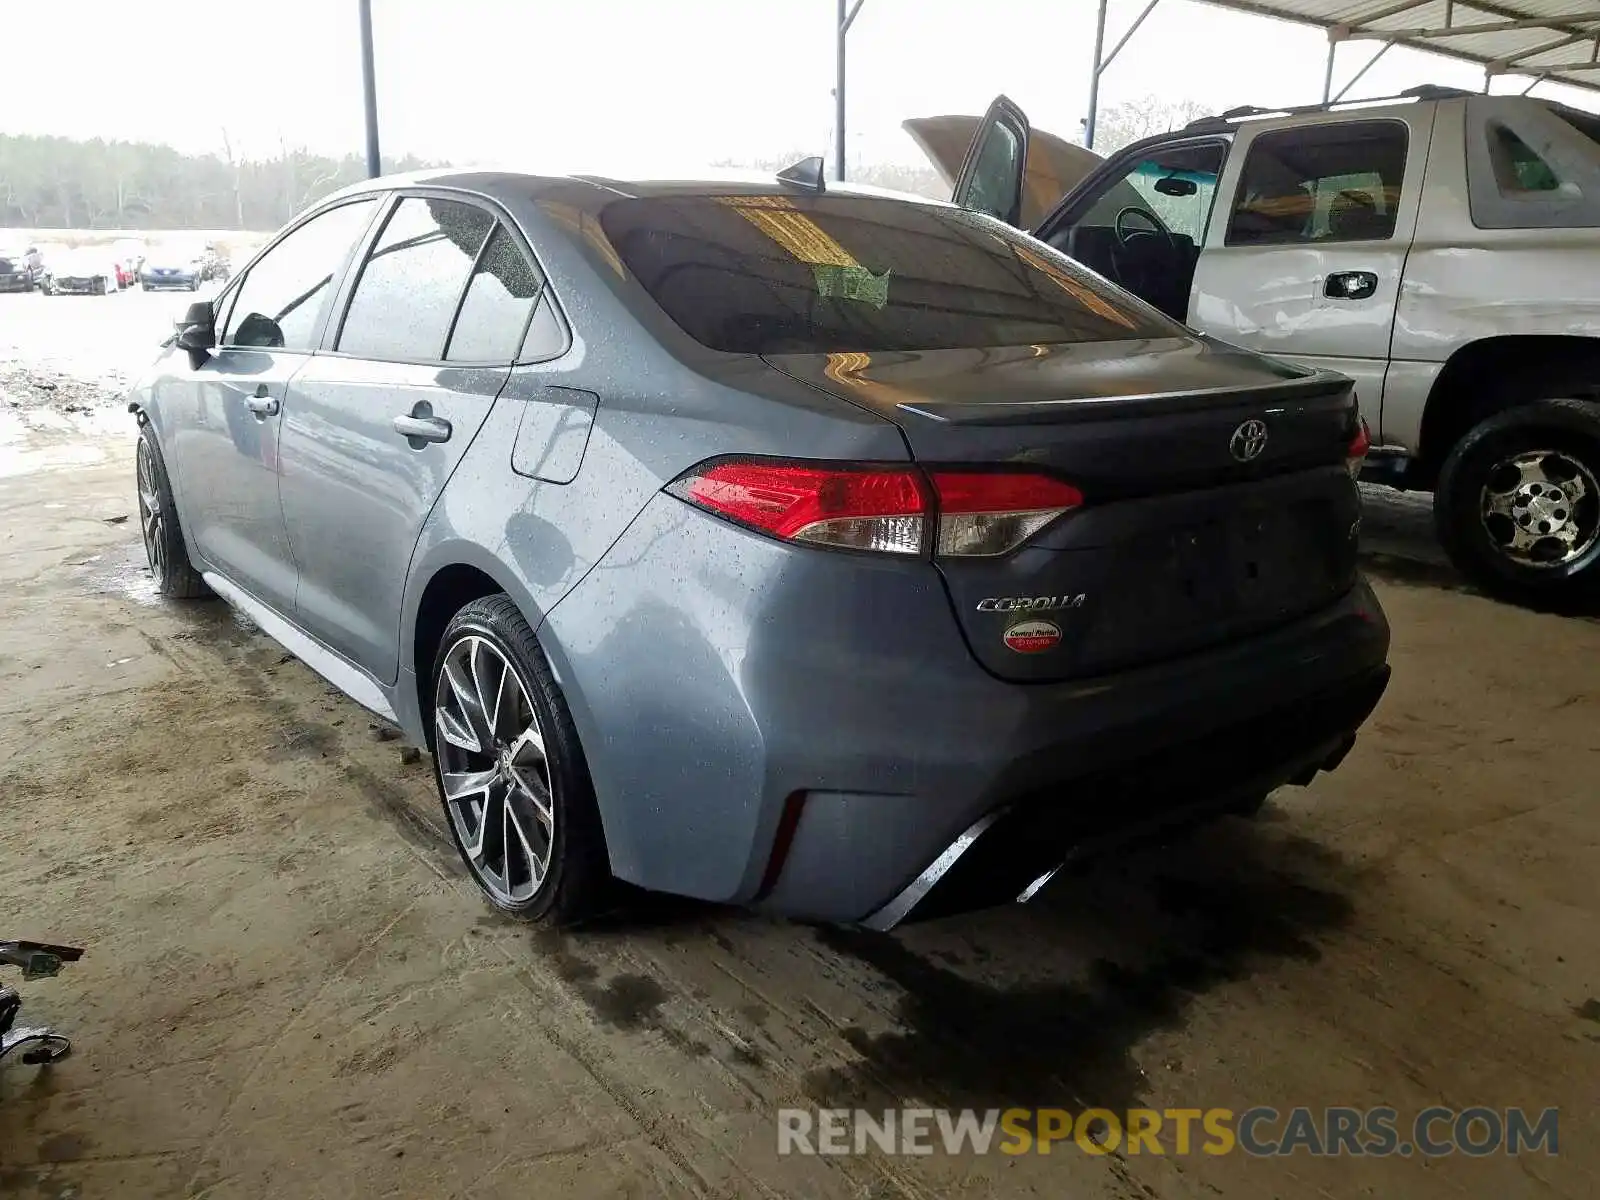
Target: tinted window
pixel 1585 123
pixel 774 274
pixel 992 187
pixel 1321 183
pixel 495 310
pixel 412 280
pixel 1516 167
pixel 281 301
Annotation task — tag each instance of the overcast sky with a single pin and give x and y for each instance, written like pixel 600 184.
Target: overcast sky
pixel 634 85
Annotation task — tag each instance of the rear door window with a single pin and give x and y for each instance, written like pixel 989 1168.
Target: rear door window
pixel 772 274
pixel 412 280
pixel 282 301
pixel 494 312
pixel 1321 183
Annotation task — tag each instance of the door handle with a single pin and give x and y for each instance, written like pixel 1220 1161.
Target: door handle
pixel 262 404
pixel 417 428
pixel 1351 285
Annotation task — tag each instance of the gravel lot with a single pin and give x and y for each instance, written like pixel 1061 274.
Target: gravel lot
pixel 292 990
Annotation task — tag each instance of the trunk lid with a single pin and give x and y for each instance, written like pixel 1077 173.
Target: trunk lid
pixel 1216 496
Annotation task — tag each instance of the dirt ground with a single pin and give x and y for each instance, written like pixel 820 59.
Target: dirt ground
pixel 291 989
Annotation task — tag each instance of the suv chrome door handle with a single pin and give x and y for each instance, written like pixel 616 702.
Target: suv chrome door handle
pixel 422 429
pixel 262 404
pixel 1350 285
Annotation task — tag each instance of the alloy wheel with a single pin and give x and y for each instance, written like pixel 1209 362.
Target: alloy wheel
pixel 152 520
pixel 493 772
pixel 1541 508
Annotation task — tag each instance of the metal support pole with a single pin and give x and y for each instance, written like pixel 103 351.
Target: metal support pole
pixel 369 90
pixel 1327 75
pixel 838 95
pixel 1132 29
pixel 1094 76
pixel 1356 78
pixel 847 18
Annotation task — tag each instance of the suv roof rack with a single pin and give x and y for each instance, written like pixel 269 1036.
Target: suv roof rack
pixel 1244 112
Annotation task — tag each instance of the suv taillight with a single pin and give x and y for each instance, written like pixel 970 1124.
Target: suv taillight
pixel 890 510
pixel 1356 453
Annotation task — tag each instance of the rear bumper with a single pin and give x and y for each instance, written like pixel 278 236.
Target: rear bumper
pixel 84 287
pixel 1021 842
pixel 16 283
pixel 807 731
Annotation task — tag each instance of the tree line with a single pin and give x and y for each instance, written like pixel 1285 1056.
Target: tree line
pixel 66 183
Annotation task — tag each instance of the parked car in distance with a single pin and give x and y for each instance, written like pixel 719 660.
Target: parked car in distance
pixel 166 269
pixel 86 271
pixel 21 268
pixel 1441 248
pixel 838 553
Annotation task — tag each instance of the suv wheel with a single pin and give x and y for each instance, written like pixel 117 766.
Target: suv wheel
pixel 158 520
pixel 1518 504
pixel 511 774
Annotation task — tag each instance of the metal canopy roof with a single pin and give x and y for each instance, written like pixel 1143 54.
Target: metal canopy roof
pixel 1555 40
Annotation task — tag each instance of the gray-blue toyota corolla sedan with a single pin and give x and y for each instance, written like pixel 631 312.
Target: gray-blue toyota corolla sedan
pixel 821 550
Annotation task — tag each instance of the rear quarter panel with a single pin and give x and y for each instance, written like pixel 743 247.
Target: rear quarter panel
pixel 664 404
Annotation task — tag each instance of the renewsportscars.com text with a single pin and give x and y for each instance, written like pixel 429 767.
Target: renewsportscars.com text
pixel 1260 1132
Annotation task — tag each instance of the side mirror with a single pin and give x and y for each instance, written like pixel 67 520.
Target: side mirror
pixel 197 332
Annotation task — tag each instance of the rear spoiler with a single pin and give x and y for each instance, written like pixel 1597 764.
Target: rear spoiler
pixel 1314 385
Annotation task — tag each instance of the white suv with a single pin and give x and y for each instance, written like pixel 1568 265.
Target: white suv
pixel 1441 248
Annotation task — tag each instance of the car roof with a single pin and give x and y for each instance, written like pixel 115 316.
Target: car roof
pixel 492 179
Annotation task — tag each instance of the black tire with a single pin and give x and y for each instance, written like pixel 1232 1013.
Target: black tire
pixel 577 873
pixel 164 546
pixel 1570 429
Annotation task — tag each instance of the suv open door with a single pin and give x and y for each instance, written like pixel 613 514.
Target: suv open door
pixel 986 176
pixel 991 177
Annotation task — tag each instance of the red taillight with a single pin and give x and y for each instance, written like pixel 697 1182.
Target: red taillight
pixel 988 513
pixel 883 509
pixel 1357 452
pixel 857 508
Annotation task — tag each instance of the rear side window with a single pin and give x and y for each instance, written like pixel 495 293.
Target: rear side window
pixel 774 274
pixel 412 280
pixel 1320 183
pixel 495 310
pixel 281 301
pixel 1516 167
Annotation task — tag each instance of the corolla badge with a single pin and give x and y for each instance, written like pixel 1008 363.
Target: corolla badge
pixel 1033 637
pixel 1249 440
pixel 1031 603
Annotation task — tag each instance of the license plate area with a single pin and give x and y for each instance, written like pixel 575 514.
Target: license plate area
pixel 1252 562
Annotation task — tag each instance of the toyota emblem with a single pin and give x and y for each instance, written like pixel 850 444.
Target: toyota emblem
pixel 1248 441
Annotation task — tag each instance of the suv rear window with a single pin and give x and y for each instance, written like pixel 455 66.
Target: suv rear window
pixel 1585 123
pixel 775 274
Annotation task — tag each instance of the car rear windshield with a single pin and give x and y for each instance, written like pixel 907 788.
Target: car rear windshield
pixel 776 274
pixel 1585 123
